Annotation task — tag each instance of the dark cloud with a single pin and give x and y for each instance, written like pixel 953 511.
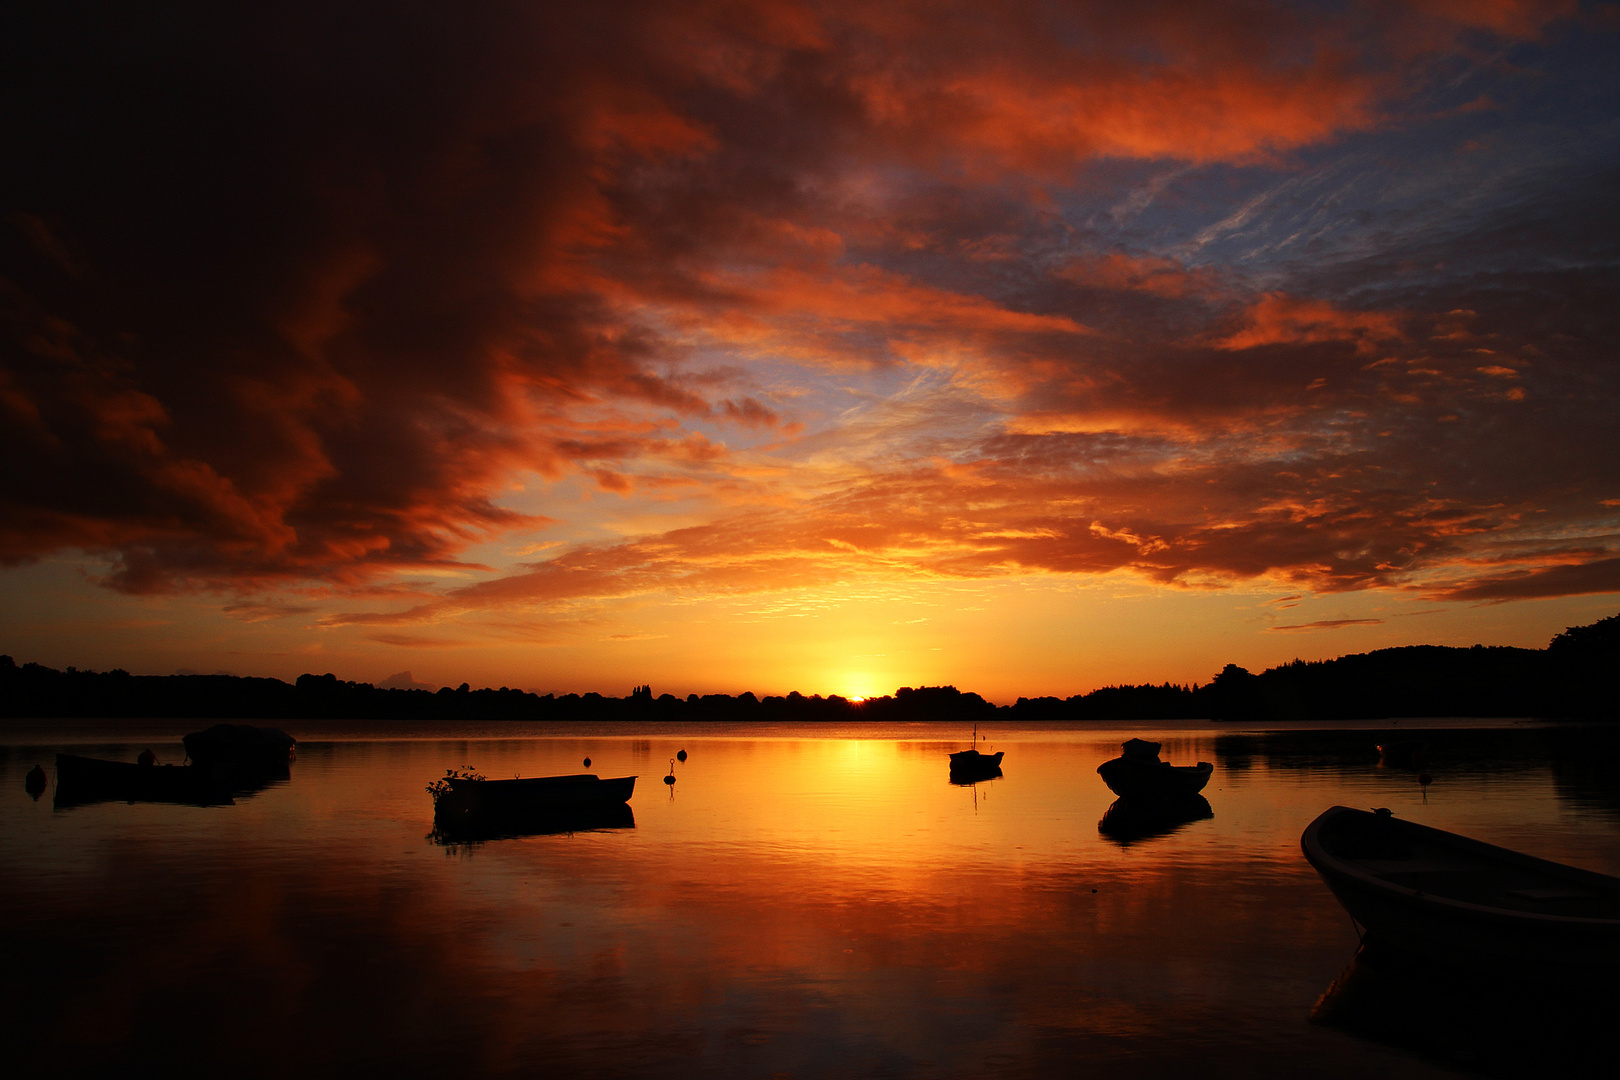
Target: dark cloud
pixel 312 324
pixel 1598 576
pixel 1323 624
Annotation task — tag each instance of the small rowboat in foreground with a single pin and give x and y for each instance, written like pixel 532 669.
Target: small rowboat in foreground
pixel 1462 900
pixel 1140 776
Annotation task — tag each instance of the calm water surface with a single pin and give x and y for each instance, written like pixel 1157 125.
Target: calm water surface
pixel 804 902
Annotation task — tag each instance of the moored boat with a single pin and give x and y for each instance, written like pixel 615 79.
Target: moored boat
pixel 84 780
pixel 1462 900
pixel 463 796
pixel 238 743
pixel 969 766
pixel 1139 775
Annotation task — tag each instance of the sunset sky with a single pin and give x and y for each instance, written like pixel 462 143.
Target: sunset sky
pixel 836 346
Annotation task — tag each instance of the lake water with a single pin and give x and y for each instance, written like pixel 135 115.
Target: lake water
pixel 806 902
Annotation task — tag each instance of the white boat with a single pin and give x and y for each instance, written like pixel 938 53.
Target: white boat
pixel 1463 900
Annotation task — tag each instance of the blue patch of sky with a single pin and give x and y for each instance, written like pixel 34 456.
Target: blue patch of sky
pixel 1440 169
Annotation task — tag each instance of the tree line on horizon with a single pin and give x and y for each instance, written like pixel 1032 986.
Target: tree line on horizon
pixel 1575 676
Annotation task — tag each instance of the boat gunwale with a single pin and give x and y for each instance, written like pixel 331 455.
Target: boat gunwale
pixel 1202 766
pixel 1129 772
pixel 1316 854
pixel 581 779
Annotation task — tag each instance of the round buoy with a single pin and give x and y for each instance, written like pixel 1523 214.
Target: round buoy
pixel 587 763
pixel 670 779
pixel 1425 779
pixel 34 782
pixel 680 755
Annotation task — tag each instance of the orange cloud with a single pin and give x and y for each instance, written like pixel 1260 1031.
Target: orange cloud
pixel 1276 319
pixel 1158 275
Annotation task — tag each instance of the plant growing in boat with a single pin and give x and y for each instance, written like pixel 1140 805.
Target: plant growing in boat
pixel 441 787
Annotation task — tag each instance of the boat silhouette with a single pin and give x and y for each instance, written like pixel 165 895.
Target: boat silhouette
pixel 464 798
pixel 1139 775
pixel 971 766
pixel 1461 900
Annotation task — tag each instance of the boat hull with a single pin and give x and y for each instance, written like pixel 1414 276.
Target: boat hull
pixel 240 743
pixel 1454 898
pixel 451 828
pixel 481 798
pixel 970 766
pixel 1154 781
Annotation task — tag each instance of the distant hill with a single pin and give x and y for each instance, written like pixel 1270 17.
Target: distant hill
pixel 1575 676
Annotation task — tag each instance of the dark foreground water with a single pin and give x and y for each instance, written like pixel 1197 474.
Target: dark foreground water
pixel 804 902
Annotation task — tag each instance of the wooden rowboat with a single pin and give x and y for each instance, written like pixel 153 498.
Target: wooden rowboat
pixel 1462 900
pixel 81 781
pixel 468 797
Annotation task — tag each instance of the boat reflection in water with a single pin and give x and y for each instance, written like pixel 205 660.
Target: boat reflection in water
pixel 1128 820
pixel 988 768
pixel 455 829
pixel 1497 1025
